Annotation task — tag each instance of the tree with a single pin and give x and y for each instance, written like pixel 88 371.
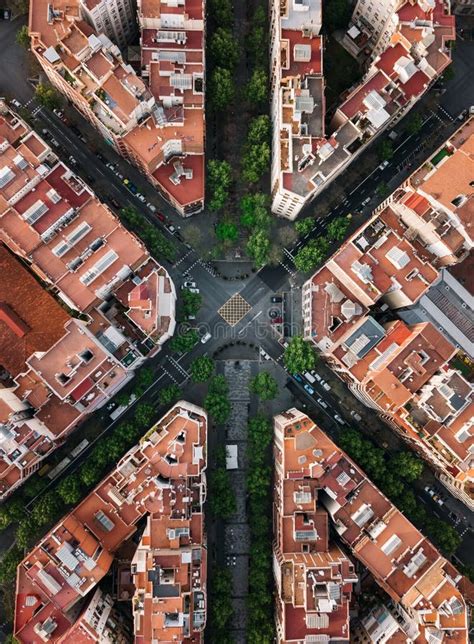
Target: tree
pixel 259 129
pixel 254 211
pixel 219 179
pixel 385 150
pixel 336 15
pixel 257 88
pixel 383 190
pixel 191 302
pixel 227 231
pixel 304 226
pixel 444 535
pixel 218 407
pixel 144 379
pixel 414 124
pixel 143 416
pixel 224 48
pixel 169 395
pixel 260 435
pixel 299 355
pixel 90 473
pixel 23 37
pixel 222 501
pixel 308 257
pixel 184 342
pixel 47 96
pixel 258 247
pixel 255 162
pixel 46 508
pixel 202 369
pixel 257 39
pixel 12 511
pixel 221 89
pixel 9 563
pixel 337 228
pixel 406 465
pixel 69 489
pixel 27 528
pixel 264 386
pixel 221 12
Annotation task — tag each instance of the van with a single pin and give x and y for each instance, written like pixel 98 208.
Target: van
pixel 310 378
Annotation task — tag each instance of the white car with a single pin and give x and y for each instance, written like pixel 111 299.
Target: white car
pixel 189 284
pixel 310 378
pixel 383 165
pixel 151 207
pixel 355 415
pixel 141 197
pixel 206 337
pixel 16 103
pixel 326 386
pixel 339 419
pixel 322 403
pixel 366 201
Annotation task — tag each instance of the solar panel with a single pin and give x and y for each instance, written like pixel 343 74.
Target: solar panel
pixel 6 175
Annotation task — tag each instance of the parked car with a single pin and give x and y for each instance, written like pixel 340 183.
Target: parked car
pixel 140 197
pixel 171 228
pixel 277 320
pixel 161 217
pixel 264 354
pixel 338 419
pixel 366 201
pixel 72 160
pixel 326 386
pixel 355 415
pixel 309 377
pixel 206 337
pixel 309 389
pixel 316 375
pixel 297 377
pixel 58 112
pixel 189 284
pixel 383 165
pixel 276 299
pixel 16 103
pixel 151 207
pixel 114 202
pixel 321 402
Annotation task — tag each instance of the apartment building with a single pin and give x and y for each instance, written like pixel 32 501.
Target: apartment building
pixel 59 366
pixel 425 588
pixel 314 578
pixel 404 61
pixel 413 257
pixel 158 125
pixel 161 479
pixel 114 18
pixel 435 205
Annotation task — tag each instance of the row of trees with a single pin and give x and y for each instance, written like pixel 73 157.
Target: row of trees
pixel 316 250
pixel 260 627
pixel 216 402
pixel 157 243
pixel 394 475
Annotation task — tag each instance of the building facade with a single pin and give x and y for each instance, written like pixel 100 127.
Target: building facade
pixel 423 586
pixel 159 124
pixel 162 478
pixel 407 48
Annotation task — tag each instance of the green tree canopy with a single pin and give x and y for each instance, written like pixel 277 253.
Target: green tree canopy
pixel 69 489
pixel 23 37
pixel 254 209
pixel 221 12
pixel 227 231
pixel 9 563
pixel 304 226
pixel 299 355
pixel 258 247
pixel 185 341
pixel 191 302
pixel 259 130
pixel 202 369
pixel 47 96
pixel 337 14
pixel 143 416
pixel 257 88
pixel 312 254
pixel 90 473
pixel 385 150
pixel 255 162
pixel 216 402
pixel 264 386
pixel 223 48
pixel 169 395
pixel 414 124
pixel 222 501
pixel 221 89
pixel 337 228
pixel 47 508
pixel 219 181
pixel 406 465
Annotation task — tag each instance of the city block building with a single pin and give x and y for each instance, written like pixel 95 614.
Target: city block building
pixel 424 588
pixel 61 362
pixel 160 481
pixel 159 124
pixel 393 307
pixel 404 60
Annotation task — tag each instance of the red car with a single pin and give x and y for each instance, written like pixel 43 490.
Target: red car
pixel 277 320
pixel 161 217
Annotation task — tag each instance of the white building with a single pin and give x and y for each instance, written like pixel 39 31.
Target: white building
pixel 115 18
